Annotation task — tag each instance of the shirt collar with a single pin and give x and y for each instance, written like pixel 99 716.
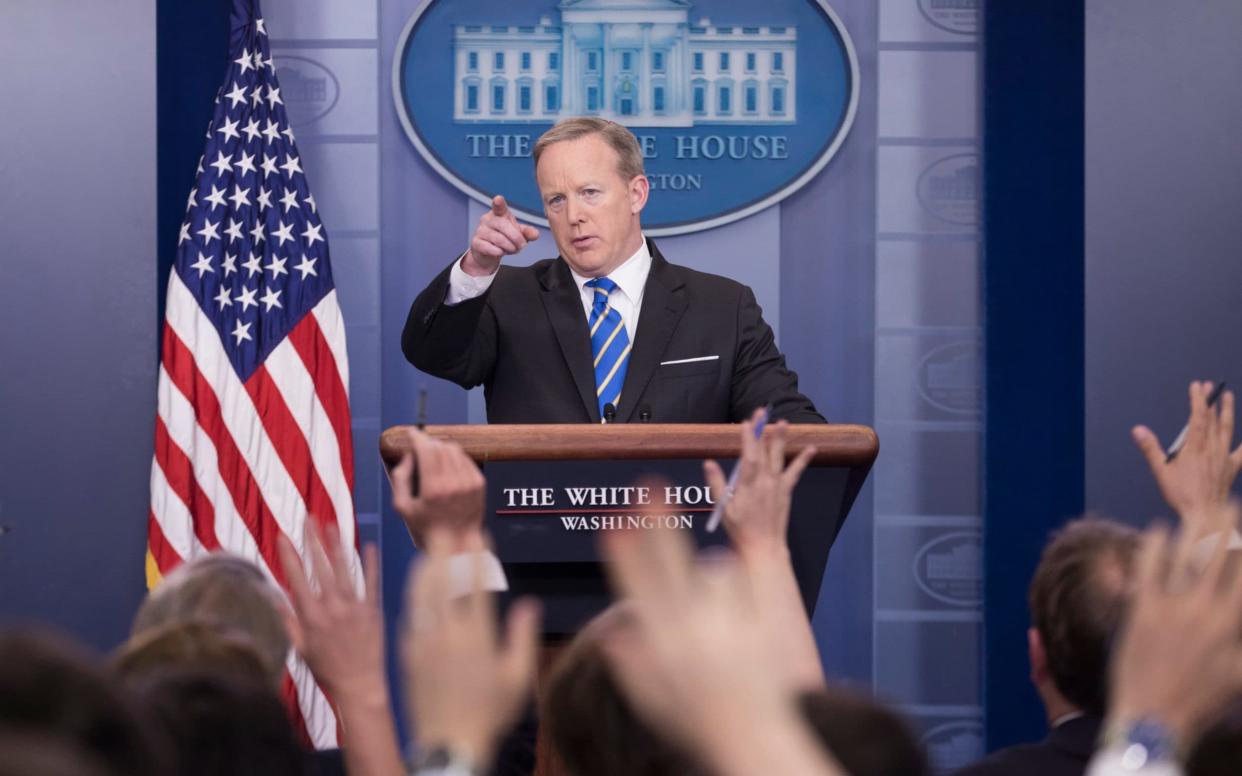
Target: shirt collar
pixel 630 277
pixel 1070 717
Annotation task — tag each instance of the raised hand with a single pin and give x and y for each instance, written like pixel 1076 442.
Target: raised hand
pixel 463 687
pixel 1179 655
pixel 340 635
pixel 498 234
pixel 757 515
pixel 696 661
pixel 757 519
pixel 451 492
pixel 1196 483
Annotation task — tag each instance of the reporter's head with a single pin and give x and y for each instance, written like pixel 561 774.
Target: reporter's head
pixel 226 592
pixel 1077 599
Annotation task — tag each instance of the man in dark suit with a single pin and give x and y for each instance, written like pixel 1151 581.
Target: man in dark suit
pixel 1077 599
pixel 607 331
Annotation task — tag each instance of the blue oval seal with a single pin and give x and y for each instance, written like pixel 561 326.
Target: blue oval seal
pixel 948 568
pixel 310 89
pixel 736 105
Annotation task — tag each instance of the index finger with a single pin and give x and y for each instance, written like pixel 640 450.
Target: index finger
pixel 499 206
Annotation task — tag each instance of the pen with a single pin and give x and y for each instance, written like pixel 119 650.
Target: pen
pixel 713 522
pixel 1176 447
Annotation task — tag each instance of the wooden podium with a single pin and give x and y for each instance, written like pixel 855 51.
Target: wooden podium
pixel 551 488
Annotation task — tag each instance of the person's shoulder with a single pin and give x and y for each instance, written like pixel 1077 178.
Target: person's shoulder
pixel 1033 758
pixel 705 283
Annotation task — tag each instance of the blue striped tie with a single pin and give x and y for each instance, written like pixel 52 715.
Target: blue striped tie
pixel 610 345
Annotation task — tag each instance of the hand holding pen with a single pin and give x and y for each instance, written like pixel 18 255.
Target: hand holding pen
pixel 754 502
pixel 1196 472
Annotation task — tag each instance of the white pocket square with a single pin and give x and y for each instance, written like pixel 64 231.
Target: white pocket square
pixel 689 360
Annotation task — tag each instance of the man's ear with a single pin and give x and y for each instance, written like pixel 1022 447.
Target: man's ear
pixel 640 187
pixel 1038 656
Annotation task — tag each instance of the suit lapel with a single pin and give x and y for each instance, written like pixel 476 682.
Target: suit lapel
pixel 563 304
pixel 663 305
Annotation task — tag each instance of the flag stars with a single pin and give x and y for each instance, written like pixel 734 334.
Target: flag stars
pixel 230 129
pixel 265 199
pixel 240 197
pixel 256 234
pixel 260 27
pixel 185 233
pixel 288 132
pixel 223 299
pixel 208 232
pixel 244 61
pixel 310 200
pixel 216 197
pixel 269 166
pixel 241 332
pixel 253 264
pixel 221 164
pixel 203 265
pixel 273 98
pixel 271 298
pixel 271 131
pixel 234 231
pixel 256 97
pixel 230 264
pixel 307 267
pixel 238 95
pixel 277 267
pixel 245 162
pixel 191 203
pixel 284 233
pixel 312 234
pixel 290 199
pixel 246 298
pixel 251 129
pixel 292 165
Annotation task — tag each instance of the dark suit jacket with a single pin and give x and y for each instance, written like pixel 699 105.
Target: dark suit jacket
pixel 525 340
pixel 1064 752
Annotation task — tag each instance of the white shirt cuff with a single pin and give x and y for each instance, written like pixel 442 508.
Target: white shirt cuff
pixel 462 573
pixel 463 287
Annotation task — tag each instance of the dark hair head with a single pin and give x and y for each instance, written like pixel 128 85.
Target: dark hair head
pixel 225 591
pixel 1219 749
pixel 1077 599
pixel 220 724
pixel 30 754
pixel 595 731
pixel 863 736
pixel 52 688
pixel 592 726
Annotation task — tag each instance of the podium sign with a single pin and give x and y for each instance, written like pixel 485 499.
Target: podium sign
pixel 552 489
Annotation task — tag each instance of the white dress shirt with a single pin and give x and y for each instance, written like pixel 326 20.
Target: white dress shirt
pixel 627 300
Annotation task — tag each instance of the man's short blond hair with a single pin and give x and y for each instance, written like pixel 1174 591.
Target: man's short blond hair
pixel 629 154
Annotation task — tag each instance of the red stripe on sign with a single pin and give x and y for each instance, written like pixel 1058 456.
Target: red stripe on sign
pixel 236 474
pixel 179 473
pixel 166 558
pixel 312 347
pixel 290 444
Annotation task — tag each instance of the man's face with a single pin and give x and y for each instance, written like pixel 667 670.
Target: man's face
pixel 592 209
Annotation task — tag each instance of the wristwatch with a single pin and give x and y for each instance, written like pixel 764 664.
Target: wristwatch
pixel 1140 743
pixel 443 761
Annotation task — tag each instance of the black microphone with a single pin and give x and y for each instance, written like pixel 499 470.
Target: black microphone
pixel 644 414
pixel 610 413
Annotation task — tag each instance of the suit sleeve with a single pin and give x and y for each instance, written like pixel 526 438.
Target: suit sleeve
pixel 455 342
pixel 759 374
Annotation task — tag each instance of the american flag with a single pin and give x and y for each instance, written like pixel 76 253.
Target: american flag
pixel 252 437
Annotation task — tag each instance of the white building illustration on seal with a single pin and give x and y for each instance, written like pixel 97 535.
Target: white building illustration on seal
pixel 640 62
